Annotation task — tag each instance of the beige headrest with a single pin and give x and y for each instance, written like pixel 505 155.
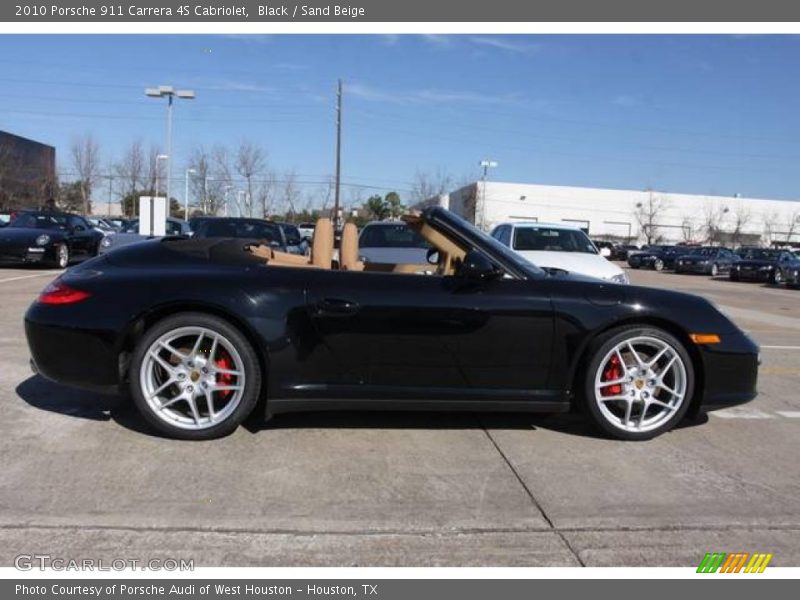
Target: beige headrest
pixel 322 244
pixel 348 251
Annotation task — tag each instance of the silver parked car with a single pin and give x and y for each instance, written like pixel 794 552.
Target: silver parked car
pixel 131 234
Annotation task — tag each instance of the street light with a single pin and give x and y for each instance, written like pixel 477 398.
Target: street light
pixel 186 195
pixel 485 164
pixel 158 171
pixel 168 92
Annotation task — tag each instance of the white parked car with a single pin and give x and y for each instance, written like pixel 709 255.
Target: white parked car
pixel 558 246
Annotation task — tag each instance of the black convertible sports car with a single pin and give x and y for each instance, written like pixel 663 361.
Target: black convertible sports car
pixel 200 330
pixel 47 237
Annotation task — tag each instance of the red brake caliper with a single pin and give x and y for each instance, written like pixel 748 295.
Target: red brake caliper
pixel 224 378
pixel 613 371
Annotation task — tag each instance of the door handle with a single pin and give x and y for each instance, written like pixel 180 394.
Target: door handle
pixel 334 307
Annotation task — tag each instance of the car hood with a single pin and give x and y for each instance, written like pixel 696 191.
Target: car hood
pixel 592 265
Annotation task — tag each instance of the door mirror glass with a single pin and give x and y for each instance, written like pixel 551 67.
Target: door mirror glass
pixel 432 256
pixel 476 266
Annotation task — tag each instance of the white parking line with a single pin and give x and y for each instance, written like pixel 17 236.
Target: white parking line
pixel 742 413
pixel 781 347
pixel 29 276
pixel 789 414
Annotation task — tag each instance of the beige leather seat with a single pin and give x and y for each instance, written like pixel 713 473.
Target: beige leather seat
pixel 321 250
pixel 348 250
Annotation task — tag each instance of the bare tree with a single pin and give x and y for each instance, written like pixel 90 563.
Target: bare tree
pixel 250 163
pixel 741 218
pixel 224 172
pixel 427 187
pixel 712 222
pixel 290 193
pixel 771 226
pixel 648 213
pixel 85 153
pixel 688 229
pixel 265 193
pixel 130 171
pixel 792 225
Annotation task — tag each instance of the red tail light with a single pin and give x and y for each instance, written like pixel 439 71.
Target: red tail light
pixel 57 292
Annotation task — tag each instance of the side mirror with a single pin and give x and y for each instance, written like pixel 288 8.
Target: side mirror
pixel 476 266
pixel 432 256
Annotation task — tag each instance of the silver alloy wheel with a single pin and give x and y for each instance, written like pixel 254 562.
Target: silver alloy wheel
pixel 192 378
pixel 714 270
pixel 640 384
pixel 63 256
pixel 778 276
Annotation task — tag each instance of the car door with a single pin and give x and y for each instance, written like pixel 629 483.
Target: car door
pixel 406 335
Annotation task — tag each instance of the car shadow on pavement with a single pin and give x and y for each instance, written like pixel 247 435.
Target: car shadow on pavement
pixel 47 395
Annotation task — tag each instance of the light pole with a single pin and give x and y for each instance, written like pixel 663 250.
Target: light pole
pixel 168 92
pixel 158 170
pixel 186 194
pixel 485 165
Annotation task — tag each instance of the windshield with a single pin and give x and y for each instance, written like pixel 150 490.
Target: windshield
pixel 395 235
pixel 32 221
pixel 293 236
pixel 762 254
pixel 239 229
pixel 705 252
pixel 550 239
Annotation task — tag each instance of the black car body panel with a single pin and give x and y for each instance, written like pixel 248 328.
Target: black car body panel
pixel 508 344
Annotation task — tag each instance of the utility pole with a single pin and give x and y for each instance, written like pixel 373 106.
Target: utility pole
pixel 338 155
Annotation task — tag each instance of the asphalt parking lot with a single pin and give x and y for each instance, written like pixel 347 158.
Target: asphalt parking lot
pixel 82 476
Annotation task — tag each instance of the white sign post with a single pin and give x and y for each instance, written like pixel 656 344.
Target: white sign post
pixel 152 216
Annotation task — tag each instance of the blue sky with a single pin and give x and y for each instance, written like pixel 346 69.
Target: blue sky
pixel 702 114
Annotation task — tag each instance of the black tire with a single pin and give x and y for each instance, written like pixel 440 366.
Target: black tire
pixel 714 270
pixel 777 277
pixel 598 351
pixel 252 370
pixel 62 256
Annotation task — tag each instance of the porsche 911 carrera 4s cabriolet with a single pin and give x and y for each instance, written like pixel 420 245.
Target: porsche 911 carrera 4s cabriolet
pixel 203 331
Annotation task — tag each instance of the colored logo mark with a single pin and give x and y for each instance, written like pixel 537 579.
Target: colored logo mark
pixel 737 562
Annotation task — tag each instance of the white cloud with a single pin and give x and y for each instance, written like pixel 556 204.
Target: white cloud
pixel 427 96
pixel 437 39
pixel 507 44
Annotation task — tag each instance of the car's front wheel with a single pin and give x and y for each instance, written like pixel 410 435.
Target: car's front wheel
pixel 195 376
pixel 658 265
pixel 639 382
pixel 62 256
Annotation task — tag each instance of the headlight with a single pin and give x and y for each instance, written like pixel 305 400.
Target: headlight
pixel 620 278
pixel 680 262
pixel 106 243
pixel 703 262
pixel 766 268
pixel 736 267
pixel 43 240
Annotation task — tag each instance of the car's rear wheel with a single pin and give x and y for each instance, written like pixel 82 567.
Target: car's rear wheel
pixel 62 256
pixel 195 376
pixel 658 265
pixel 714 270
pixel 639 382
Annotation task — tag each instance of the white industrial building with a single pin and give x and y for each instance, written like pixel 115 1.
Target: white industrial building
pixel 638 216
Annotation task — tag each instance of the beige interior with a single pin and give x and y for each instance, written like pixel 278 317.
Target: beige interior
pixel 322 251
pixel 348 249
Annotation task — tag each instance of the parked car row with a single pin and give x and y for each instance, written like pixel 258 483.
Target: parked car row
pixel 745 264
pixel 59 238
